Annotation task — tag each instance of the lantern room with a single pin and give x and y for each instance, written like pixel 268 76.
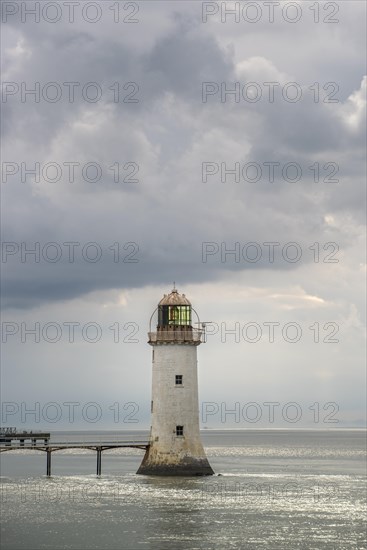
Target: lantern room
pixel 174 310
pixel 173 321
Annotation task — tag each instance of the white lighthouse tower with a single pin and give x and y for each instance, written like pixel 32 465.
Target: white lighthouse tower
pixel 175 447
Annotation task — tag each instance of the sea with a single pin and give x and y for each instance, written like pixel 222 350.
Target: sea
pixel 273 489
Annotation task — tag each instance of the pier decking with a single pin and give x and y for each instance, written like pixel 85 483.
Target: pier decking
pixel 50 448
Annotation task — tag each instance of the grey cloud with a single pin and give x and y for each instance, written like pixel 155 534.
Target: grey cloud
pixel 170 212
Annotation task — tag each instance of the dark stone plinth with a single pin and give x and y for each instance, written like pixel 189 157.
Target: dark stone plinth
pixel 188 466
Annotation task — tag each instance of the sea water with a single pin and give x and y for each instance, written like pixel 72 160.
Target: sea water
pixel 273 489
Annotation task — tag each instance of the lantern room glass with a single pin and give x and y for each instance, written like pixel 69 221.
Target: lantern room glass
pixel 174 316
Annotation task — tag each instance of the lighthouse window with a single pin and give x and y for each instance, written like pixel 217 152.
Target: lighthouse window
pixel 178 379
pixel 174 315
pixel 179 430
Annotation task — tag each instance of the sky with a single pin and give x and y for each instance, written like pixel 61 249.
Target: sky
pixel 217 145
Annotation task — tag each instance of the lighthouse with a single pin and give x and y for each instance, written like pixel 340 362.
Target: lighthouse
pixel 175 447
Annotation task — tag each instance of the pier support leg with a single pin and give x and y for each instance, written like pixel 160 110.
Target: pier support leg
pixel 48 463
pixel 99 462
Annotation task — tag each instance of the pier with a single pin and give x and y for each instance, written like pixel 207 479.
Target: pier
pixel 49 448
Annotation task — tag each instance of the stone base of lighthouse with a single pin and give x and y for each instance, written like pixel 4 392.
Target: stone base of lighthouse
pixel 174 464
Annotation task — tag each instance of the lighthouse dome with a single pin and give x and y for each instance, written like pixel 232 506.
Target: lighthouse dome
pixel 174 299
